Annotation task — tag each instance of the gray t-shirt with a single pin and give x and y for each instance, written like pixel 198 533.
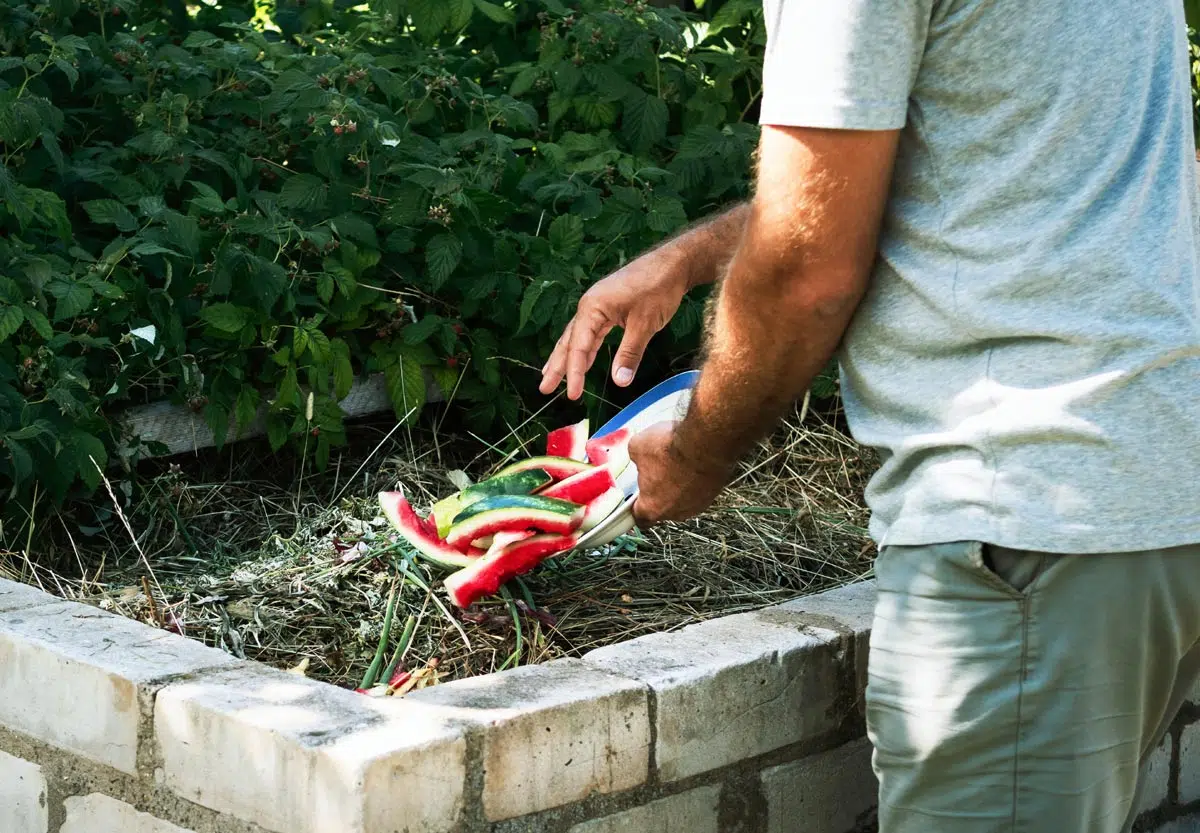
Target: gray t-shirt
pixel 1027 360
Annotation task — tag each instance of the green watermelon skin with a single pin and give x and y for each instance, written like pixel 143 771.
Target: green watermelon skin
pixel 507 513
pixel 523 482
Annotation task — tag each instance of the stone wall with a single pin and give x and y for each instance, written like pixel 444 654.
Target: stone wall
pixel 744 724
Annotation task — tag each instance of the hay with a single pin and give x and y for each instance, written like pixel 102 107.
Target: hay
pixel 293 569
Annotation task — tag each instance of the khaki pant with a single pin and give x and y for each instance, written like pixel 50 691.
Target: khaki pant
pixel 1016 691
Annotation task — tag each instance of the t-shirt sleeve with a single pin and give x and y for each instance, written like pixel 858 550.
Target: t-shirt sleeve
pixel 841 63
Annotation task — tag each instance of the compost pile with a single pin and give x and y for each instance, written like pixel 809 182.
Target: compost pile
pixel 305 572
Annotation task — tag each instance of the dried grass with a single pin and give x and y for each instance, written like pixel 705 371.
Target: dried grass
pixel 293 569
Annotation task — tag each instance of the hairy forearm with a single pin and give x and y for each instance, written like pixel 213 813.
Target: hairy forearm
pixel 768 338
pixel 702 252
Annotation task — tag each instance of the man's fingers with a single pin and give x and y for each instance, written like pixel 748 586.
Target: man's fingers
pixel 556 365
pixel 638 332
pixel 587 334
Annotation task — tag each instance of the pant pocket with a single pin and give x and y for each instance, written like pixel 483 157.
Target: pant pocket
pixel 1017 569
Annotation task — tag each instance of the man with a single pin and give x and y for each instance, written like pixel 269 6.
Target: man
pixel 988 210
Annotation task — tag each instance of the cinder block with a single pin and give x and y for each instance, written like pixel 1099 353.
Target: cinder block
pixel 73 676
pixel 551 734
pixel 22 796
pixel 695 811
pixel 849 609
pixel 299 756
pixel 733 688
pixel 824 793
pixel 1189 764
pixel 1158 777
pixel 14 596
pixel 98 813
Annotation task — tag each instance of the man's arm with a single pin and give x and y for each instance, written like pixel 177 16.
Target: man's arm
pixel 641 297
pixel 799 273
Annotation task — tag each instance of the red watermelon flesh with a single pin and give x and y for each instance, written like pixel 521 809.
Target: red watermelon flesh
pixel 583 487
pixel 570 441
pixel 611 450
pixel 416 532
pixel 486 575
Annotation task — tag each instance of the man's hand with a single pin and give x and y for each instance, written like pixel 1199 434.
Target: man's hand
pixel 641 298
pixel 670 487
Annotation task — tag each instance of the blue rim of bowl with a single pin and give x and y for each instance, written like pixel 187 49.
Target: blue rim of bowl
pixel 676 383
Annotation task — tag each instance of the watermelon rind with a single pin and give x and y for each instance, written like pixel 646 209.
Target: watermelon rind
pixel 523 482
pixel 486 575
pixel 570 441
pixel 404 519
pixel 503 513
pixel 600 508
pixel 559 468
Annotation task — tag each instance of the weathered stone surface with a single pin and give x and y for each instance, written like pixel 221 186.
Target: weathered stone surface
pixel 1187 824
pixel 850 609
pixel 98 813
pixel 1158 777
pixel 1189 764
pixel 298 756
pixel 14 596
pixel 825 793
pixel 551 734
pixel 22 796
pixel 695 811
pixel 73 675
pixel 733 688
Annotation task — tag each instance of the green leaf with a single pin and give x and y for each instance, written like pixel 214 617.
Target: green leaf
pixel 73 297
pixel 566 234
pixel 11 319
pixel 325 287
pixel 666 214
pixel 596 112
pixel 143 249
pixel 423 330
pixel 86 449
pixel 245 408
pixel 197 39
pixel 208 200
pixel 39 322
pixel 303 191
pixel 288 394
pixel 460 14
pixel 228 318
pixel 217 419
pixel 446 378
pixel 644 120
pixel 22 462
pixel 405 383
pixel 496 13
pixel 277 431
pixel 184 232
pixel 532 293
pixel 110 212
pixel 442 254
pixel 152 206
pixel 343 371
pixel 429 17
pixel 524 81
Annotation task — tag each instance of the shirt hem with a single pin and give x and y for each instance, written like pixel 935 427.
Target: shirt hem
pixel 790 112
pixel 1108 539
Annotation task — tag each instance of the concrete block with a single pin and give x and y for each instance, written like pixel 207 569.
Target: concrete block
pixel 1158 777
pixel 88 669
pixel 695 811
pixel 1189 764
pixel 14 596
pixel 824 793
pixel 22 796
pixel 733 688
pixel 849 609
pixel 1186 824
pixel 98 813
pixel 299 756
pixel 551 734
